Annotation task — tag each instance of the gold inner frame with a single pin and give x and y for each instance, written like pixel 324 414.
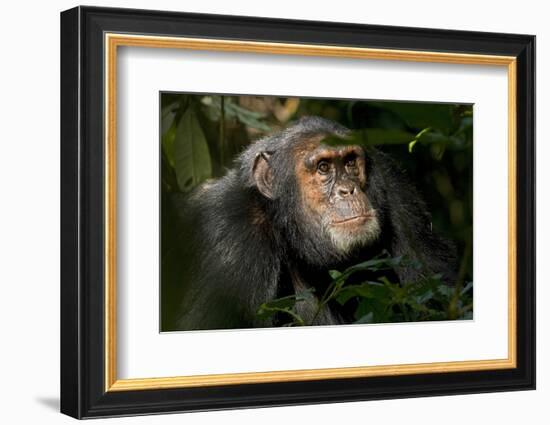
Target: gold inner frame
pixel 113 41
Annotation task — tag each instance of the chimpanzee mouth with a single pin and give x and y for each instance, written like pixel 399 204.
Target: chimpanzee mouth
pixel 354 231
pixel 357 219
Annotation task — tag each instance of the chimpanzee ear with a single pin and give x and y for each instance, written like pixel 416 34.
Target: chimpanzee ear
pixel 263 175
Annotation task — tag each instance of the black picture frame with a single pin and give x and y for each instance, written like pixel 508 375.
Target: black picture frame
pixel 83 393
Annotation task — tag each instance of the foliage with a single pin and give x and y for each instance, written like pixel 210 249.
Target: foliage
pixel 194 130
pixel 285 305
pixel 380 300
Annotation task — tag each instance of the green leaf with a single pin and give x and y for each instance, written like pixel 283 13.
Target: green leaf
pixel 417 138
pixel 191 155
pixel 367 318
pixel 334 274
pixel 264 312
pixel 446 291
pixel 168 174
pixel 232 110
pixel 423 285
pixel 285 305
pixel 378 309
pixel 411 145
pixel 284 302
pixel 375 264
pixel 168 144
pixel 466 288
pixel 167 121
pixel 281 305
pixel 364 290
pixel 250 118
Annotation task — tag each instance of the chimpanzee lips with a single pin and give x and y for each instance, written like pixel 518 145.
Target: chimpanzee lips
pixel 356 219
pixel 353 230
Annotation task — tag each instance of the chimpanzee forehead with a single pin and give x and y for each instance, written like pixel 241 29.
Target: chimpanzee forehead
pixel 334 151
pixel 315 144
pixel 314 152
pixel 317 147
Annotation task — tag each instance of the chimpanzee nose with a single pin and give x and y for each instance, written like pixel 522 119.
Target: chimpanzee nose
pixel 346 190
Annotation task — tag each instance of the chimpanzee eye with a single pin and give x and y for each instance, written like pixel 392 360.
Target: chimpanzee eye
pixel 350 162
pixel 323 167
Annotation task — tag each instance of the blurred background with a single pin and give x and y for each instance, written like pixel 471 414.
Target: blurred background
pixel 433 143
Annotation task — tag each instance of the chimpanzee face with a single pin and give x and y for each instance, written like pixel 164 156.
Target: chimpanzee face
pixel 332 182
pixel 326 195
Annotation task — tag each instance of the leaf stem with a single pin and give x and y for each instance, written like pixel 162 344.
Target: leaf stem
pixel 330 292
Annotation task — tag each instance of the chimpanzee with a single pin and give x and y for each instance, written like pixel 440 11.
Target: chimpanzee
pixel 291 209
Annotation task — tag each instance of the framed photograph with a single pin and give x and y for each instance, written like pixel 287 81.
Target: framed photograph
pixel 260 212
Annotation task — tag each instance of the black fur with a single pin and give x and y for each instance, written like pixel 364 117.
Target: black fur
pixel 240 249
